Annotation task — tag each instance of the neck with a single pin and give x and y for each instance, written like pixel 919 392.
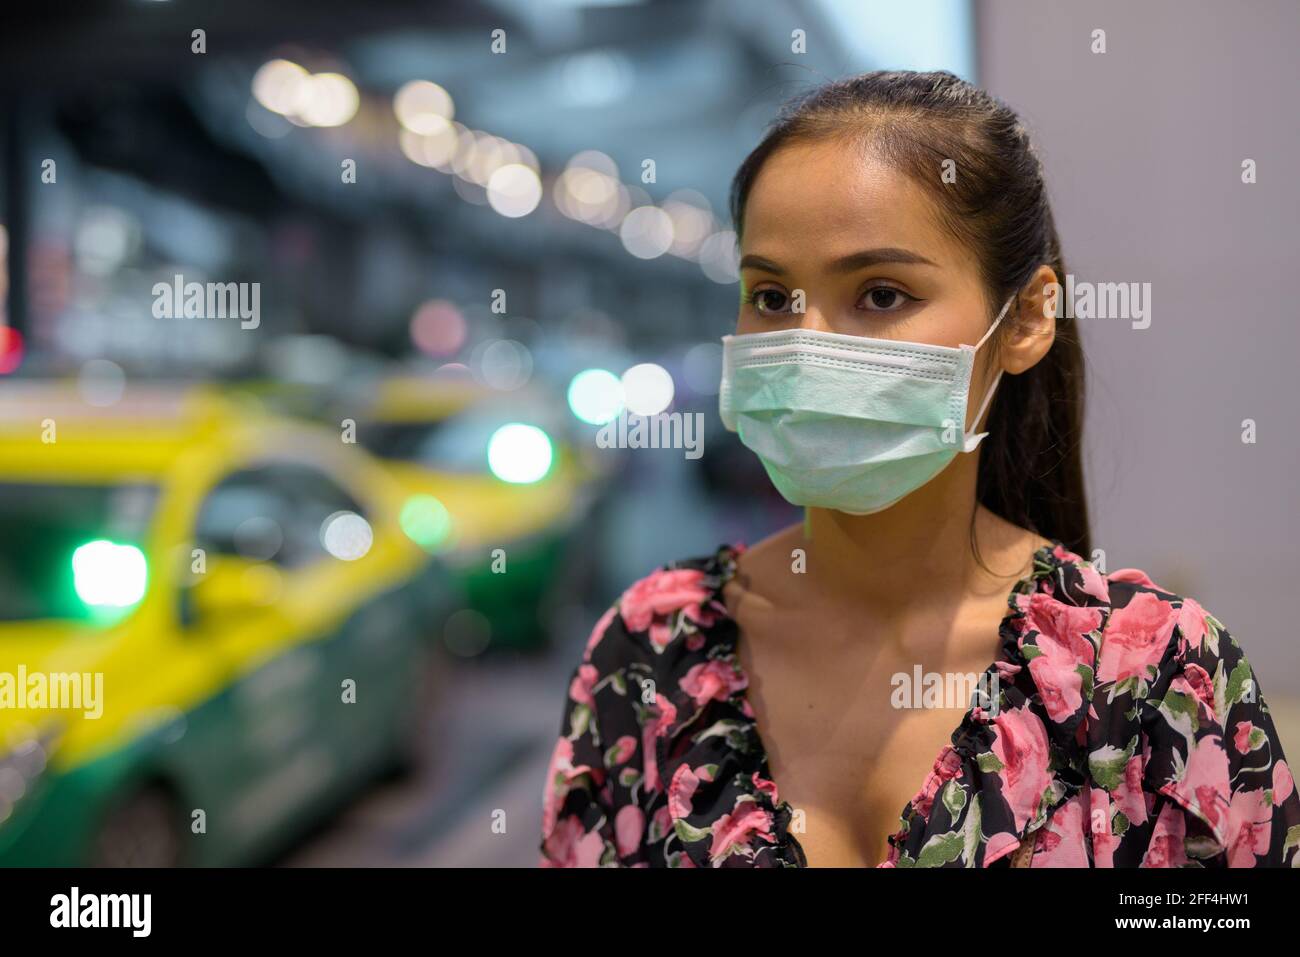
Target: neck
pixel 878 559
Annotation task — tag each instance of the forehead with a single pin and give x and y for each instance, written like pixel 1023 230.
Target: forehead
pixel 825 199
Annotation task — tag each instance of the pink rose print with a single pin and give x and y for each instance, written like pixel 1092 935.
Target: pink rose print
pixel 712 681
pixel 745 821
pixel 1094 583
pixel 1134 576
pixel 1136 637
pixel 583 681
pixel 1129 796
pixel 1061 842
pixel 1241 740
pixel 570 845
pixel 1204 787
pixel 999 846
pixel 1191 622
pixel 663 820
pixel 702 615
pixel 667 715
pixel 1103 841
pixel 1021 746
pixel 946 767
pixel 1063 622
pixel 1250 827
pixel 624 748
pixel 1174 786
pixel 1006 670
pixel 660 594
pixel 1021 622
pixel 1065 555
pixel 680 791
pixel 629 826
pixel 1283 783
pixel 651 757
pixel 1196 681
pixel 557 791
pixel 656 727
pixel 599 630
pixel 1061 629
pixel 1167 847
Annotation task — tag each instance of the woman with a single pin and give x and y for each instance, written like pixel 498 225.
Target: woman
pixel 898 259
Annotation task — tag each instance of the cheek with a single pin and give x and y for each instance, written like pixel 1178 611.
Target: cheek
pixel 964 323
pixel 749 320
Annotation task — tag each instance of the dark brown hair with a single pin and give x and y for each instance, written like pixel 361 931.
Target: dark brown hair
pixel 1031 465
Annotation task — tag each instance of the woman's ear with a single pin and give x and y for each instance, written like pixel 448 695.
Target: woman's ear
pixel 1033 327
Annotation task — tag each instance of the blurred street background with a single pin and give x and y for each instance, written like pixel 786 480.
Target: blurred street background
pixel 311 314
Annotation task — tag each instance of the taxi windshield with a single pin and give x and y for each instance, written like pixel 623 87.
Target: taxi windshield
pixel 72 551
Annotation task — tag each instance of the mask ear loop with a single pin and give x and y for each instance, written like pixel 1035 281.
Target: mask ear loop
pixel 970 442
pixel 989 331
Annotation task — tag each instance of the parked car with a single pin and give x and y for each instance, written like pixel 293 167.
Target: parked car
pixel 494 486
pixel 240 588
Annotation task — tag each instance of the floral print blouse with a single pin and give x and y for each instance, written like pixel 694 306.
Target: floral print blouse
pixel 1129 731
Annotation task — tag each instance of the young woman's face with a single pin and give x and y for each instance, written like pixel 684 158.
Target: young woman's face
pixel 866 247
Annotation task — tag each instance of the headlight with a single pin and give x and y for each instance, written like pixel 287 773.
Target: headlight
pixel 520 454
pixel 106 573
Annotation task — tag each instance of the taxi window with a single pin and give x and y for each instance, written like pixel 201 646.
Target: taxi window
pixel 272 513
pixel 458 443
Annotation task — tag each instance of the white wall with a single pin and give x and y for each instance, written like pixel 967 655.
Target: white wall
pixel 1143 147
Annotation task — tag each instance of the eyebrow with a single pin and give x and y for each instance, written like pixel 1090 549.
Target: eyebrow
pixel 849 263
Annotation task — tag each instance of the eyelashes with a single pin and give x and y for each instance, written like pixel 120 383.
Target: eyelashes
pixel 902 298
pixel 761 300
pixel 756 298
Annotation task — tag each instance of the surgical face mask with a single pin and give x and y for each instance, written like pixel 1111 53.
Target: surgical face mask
pixel 845 422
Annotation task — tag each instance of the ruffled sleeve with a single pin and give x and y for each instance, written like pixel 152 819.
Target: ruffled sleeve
pixel 650 668
pixel 1212 750
pixel 577 812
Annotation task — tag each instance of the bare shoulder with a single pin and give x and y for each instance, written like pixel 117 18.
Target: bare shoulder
pixel 764 566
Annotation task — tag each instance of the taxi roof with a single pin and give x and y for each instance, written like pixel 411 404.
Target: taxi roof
pixel 417 398
pixel 49 426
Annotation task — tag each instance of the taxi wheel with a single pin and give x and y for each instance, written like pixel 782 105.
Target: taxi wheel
pixel 143 831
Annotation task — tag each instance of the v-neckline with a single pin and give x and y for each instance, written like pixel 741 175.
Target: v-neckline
pixel 1042 562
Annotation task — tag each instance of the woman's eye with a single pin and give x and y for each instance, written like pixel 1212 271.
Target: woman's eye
pixel 886 299
pixel 768 301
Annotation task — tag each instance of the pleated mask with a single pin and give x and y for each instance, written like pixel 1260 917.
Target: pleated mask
pixel 846 422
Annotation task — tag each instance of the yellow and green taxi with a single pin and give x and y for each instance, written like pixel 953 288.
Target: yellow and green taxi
pixel 210 628
pixel 493 487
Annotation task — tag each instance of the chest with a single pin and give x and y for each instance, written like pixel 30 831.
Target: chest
pixel 852 723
